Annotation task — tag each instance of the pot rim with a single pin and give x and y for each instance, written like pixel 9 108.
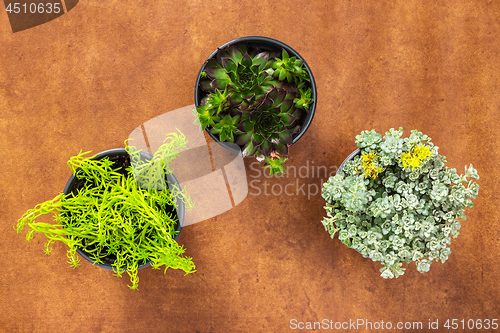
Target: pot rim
pixel 348 158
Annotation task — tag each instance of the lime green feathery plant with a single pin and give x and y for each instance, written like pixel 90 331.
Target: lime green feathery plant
pixel 118 212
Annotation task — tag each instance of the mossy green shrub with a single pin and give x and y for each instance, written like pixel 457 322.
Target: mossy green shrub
pixel 396 201
pixel 125 215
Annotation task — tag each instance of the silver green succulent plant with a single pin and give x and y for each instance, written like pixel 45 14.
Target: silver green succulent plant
pixel 397 202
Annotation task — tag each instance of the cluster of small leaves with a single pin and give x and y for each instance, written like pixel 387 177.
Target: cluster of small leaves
pixel 409 211
pixel 256 100
pixel 124 213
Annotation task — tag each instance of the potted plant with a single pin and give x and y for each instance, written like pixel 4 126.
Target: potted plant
pixel 256 93
pixel 121 209
pixel 394 201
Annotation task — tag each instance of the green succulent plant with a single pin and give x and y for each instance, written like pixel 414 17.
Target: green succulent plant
pixel 397 202
pixel 256 100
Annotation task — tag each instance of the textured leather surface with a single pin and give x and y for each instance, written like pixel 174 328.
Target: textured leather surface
pixel 85 80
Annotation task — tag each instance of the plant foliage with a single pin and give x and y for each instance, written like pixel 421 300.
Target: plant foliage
pixel 126 213
pixel 397 202
pixel 256 99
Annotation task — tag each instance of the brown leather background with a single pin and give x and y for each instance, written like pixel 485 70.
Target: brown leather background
pixel 85 80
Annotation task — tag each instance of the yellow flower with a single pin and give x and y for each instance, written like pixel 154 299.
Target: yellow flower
pixel 423 152
pixel 369 164
pixel 415 158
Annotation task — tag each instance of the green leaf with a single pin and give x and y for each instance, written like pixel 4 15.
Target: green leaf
pixel 286 105
pixel 279 98
pixel 229 64
pixel 255 70
pixel 217 73
pixel 246 126
pixel 220 83
pixel 236 54
pixel 212 63
pixel 222 136
pixel 281 148
pixel 257 139
pixel 277 72
pixel 265 147
pixel 286 137
pixel 246 60
pixel 248 150
pixel 284 55
pixel 282 74
pixel 260 60
pixel 235 120
pixel 230 137
pixel 221 53
pixel 244 138
pixel 205 85
pixel 206 117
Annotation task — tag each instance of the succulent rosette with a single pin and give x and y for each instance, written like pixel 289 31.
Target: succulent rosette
pixel 255 99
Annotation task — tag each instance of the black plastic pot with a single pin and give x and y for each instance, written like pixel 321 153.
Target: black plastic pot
pixel 341 167
pixel 120 157
pixel 265 44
